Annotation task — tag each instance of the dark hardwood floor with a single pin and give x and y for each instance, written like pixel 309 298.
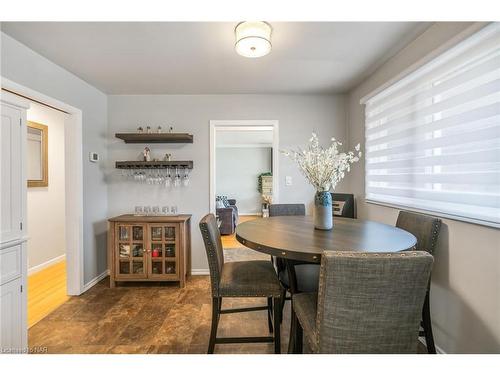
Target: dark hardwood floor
pixel 149 318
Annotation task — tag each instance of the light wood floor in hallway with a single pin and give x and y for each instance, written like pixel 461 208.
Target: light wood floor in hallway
pixel 229 241
pixel 46 292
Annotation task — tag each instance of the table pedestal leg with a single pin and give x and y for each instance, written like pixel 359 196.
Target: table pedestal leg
pixel 292 283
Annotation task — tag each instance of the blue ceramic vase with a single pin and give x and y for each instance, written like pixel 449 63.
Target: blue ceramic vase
pixel 323 218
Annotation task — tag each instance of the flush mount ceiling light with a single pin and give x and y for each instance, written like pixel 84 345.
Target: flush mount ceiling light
pixel 253 39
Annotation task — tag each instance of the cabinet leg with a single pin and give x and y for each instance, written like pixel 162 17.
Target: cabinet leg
pixel 112 282
pixel 182 281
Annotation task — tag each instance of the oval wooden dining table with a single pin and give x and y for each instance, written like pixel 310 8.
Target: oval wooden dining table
pixel 295 239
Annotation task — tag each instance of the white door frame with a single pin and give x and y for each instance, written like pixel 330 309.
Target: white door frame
pixel 73 185
pixel 243 125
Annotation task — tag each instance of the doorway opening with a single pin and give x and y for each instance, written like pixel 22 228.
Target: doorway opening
pixel 72 202
pixel 243 173
pixel 46 211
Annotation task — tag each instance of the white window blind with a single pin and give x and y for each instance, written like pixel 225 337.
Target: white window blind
pixel 433 138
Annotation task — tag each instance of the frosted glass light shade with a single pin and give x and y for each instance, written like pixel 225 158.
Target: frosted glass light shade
pixel 253 39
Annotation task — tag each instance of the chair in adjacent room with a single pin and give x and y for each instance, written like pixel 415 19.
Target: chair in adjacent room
pixel 256 278
pixel 426 230
pixel 367 303
pixel 343 205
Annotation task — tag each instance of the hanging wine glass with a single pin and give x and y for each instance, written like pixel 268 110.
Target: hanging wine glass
pixel 124 173
pixel 168 178
pixel 136 175
pixel 185 179
pixel 177 180
pixel 156 178
pixel 149 178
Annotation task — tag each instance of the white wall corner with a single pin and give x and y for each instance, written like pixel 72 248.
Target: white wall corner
pixel 95 280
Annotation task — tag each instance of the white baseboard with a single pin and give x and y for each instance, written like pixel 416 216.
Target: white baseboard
pixel 438 349
pixel 46 264
pixel 95 280
pixel 200 272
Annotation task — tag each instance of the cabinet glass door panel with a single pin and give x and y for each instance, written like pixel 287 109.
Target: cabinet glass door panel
pixel 170 250
pixel 124 250
pixel 170 233
pixel 156 250
pixel 123 233
pixel 137 233
pixel 163 255
pixel 137 250
pixel 156 233
pixel 138 267
pixel 157 267
pixel 124 267
pixel 170 268
pixel 130 251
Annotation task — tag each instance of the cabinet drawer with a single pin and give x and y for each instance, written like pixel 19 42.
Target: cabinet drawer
pixel 10 263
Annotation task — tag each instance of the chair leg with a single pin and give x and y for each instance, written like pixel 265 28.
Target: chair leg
pixel 427 324
pixel 216 304
pixel 277 330
pixel 283 299
pixel 270 313
pixel 298 337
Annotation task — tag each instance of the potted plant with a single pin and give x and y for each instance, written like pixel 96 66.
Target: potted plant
pixel 323 169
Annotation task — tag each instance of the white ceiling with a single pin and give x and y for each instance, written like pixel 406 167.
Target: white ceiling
pixel 199 58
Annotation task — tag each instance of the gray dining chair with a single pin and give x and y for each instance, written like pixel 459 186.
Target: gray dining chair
pixel 366 303
pixel 305 275
pixel 255 278
pixel 287 209
pixel 426 229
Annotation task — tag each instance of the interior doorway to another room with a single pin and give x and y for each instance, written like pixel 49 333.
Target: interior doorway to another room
pixel 243 176
pixel 46 211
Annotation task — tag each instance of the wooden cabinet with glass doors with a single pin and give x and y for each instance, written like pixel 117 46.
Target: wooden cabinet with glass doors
pixel 149 248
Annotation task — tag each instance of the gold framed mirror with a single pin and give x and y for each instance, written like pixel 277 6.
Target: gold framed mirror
pixel 37 155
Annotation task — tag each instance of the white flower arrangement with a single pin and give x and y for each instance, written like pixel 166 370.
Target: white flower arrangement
pixel 323 168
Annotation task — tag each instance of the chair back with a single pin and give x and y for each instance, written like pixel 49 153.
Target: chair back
pixel 343 205
pixel 371 302
pixel 214 249
pixel 424 228
pixel 293 209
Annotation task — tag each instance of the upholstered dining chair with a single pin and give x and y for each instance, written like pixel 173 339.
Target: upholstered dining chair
pixel 287 209
pixel 305 277
pixel 366 303
pixel 255 278
pixel 426 230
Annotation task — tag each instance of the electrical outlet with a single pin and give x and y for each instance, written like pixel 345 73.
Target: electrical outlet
pixel 288 180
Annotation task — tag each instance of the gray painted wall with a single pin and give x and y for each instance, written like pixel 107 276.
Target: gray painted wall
pixel 237 170
pixel 465 294
pixel 298 116
pixel 24 66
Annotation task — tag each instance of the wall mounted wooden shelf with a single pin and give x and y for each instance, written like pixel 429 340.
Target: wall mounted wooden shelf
pixel 154 164
pixel 155 137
